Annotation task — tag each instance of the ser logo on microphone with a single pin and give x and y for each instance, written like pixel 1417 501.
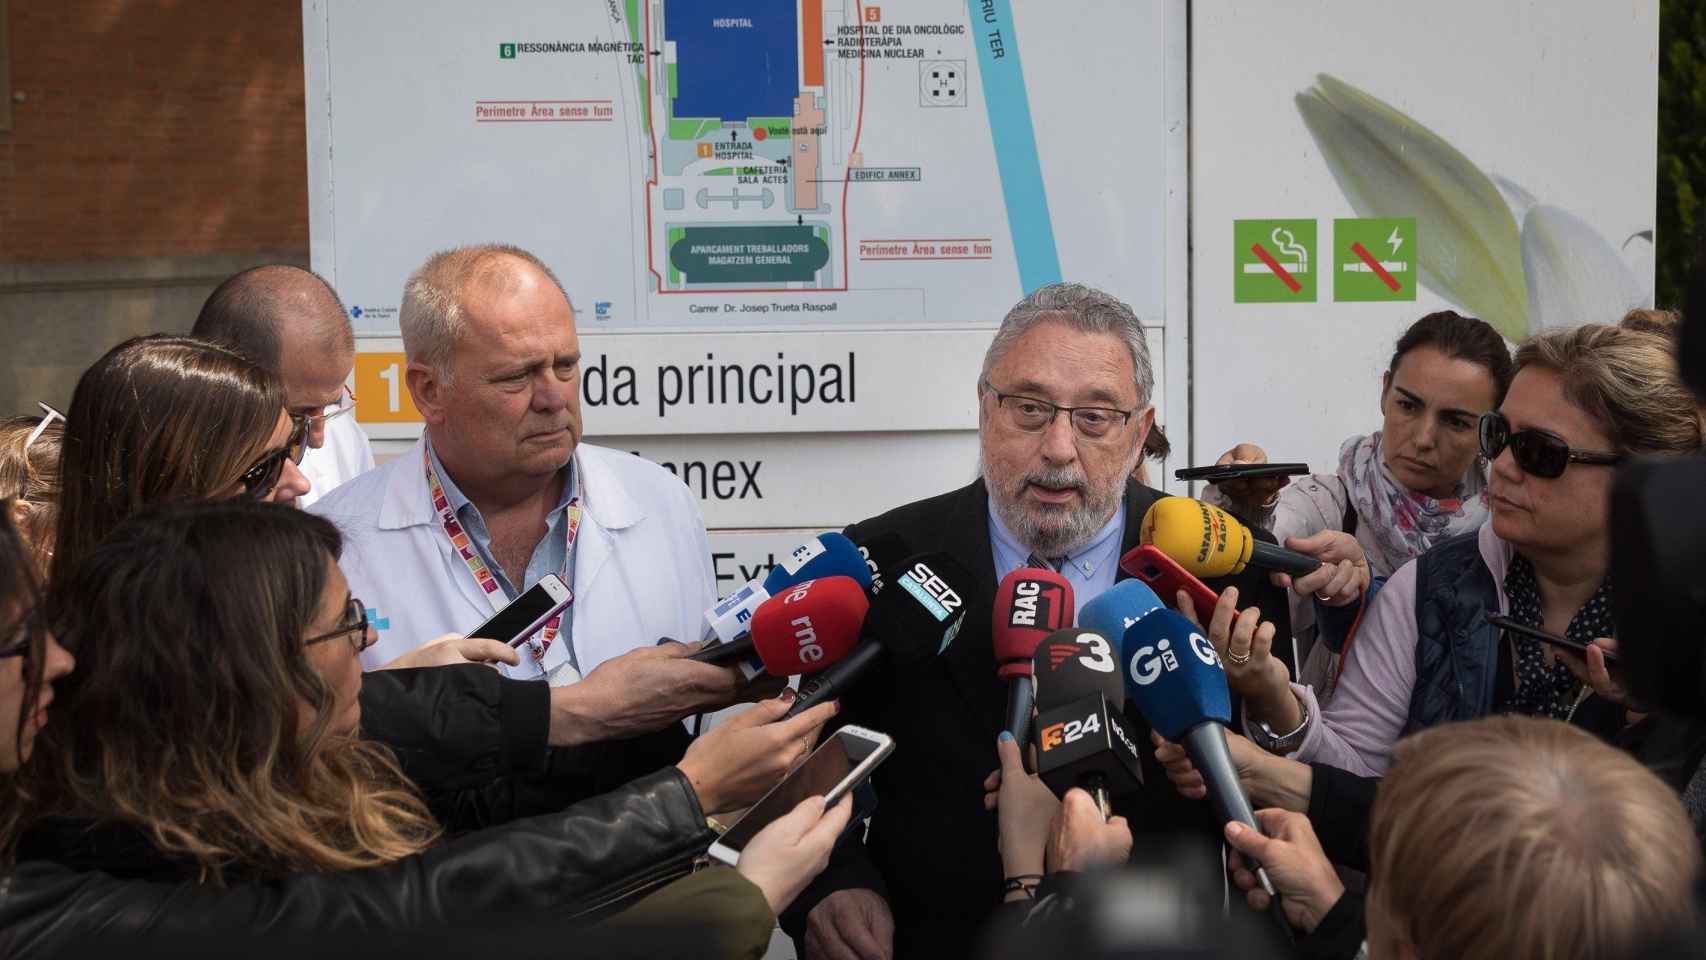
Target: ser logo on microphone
pixel 1059 734
pixel 931 591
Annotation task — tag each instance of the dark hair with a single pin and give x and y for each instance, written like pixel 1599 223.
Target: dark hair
pixel 1461 338
pixel 1156 446
pixel 247 310
pixel 158 418
pixel 186 707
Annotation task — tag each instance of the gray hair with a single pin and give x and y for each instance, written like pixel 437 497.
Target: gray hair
pixel 431 317
pixel 1084 308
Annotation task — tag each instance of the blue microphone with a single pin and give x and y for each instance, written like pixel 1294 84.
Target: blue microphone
pixel 1114 610
pixel 1173 675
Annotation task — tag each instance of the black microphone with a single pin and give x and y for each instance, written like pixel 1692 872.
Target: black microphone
pixel 914 618
pixel 1082 739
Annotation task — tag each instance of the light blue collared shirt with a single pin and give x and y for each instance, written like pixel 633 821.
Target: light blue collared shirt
pixel 1091 569
pixel 548 557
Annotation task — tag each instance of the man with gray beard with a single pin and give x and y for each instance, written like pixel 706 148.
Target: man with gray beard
pixel 1063 410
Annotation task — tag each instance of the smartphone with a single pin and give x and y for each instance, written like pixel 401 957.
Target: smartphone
pixel 526 615
pixel 1241 471
pixel 1164 575
pixel 841 764
pixel 1535 633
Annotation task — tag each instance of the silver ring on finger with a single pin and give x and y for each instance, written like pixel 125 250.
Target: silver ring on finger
pixel 1235 658
pixel 1323 597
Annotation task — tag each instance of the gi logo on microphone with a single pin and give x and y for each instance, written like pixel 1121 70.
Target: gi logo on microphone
pixel 1148 663
pixel 1205 651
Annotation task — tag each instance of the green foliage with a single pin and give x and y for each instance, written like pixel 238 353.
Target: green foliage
pixel 1682 143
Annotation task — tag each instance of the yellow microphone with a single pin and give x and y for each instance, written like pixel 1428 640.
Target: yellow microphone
pixel 1209 542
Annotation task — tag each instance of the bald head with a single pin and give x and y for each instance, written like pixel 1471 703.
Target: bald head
pixel 290 322
pixel 437 298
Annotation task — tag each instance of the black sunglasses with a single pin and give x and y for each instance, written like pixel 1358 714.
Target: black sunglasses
pixel 259 480
pixel 1536 452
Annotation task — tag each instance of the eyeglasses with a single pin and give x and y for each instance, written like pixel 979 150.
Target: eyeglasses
pixel 354 626
pixel 1033 416
pixel 259 480
pixel 48 415
pixel 1535 451
pixel 345 403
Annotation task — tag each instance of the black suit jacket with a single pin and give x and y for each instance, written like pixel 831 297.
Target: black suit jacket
pixel 931 850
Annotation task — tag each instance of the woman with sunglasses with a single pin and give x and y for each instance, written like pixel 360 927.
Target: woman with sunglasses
pixel 210 775
pixel 1582 401
pixel 163 418
pixel 1415 482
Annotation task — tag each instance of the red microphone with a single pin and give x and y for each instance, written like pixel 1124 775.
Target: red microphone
pixel 1030 604
pixel 809 626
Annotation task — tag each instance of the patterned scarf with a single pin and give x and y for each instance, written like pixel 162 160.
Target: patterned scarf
pixel 1402 523
pixel 1544 690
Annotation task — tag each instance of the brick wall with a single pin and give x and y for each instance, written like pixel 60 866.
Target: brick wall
pixel 150 128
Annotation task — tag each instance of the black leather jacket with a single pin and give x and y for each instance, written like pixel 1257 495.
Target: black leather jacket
pixel 71 885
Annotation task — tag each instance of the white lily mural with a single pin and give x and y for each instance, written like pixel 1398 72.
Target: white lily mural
pixel 1485 244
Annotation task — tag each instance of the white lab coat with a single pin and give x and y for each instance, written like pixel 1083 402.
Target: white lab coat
pixel 642 561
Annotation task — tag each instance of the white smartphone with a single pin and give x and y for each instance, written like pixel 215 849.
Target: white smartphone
pixel 527 614
pixel 839 765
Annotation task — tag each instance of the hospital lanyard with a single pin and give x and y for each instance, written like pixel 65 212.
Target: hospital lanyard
pixel 464 546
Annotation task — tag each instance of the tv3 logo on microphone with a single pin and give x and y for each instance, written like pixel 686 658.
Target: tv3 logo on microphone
pixel 1097 655
pixel 1035 604
pixel 1148 663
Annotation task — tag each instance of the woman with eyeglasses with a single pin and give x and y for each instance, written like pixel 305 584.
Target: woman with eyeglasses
pixel 1582 401
pixel 1396 492
pixel 206 773
pixel 163 418
pixel 30 659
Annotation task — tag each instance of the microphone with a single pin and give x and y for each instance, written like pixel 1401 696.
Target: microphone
pixel 1174 675
pixel 805 628
pixel 1115 609
pixel 1209 542
pixel 1029 604
pixel 826 555
pixel 915 618
pixel 882 552
pixel 1082 740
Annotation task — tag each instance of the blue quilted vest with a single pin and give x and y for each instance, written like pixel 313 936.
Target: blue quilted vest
pixel 1457 654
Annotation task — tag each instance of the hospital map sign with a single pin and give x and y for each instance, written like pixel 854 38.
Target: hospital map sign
pixel 1274 261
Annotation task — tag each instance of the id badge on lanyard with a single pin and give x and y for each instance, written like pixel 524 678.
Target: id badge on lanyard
pixel 488 583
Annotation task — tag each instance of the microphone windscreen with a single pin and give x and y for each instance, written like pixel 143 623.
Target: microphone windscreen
pixel 1118 607
pixel 918 614
pixel 1029 605
pixel 826 555
pixel 809 626
pixel 1203 539
pixel 1071 664
pixel 1658 535
pixel 882 552
pixel 1173 675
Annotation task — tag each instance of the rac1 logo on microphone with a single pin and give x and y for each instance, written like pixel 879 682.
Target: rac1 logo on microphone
pixel 1032 605
pixel 1148 663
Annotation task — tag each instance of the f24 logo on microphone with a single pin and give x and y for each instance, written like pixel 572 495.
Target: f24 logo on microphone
pixel 1060 734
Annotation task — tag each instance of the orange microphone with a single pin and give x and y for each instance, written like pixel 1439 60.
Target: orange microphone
pixel 1209 542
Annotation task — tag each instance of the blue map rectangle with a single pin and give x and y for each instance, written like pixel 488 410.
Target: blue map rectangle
pixel 735 59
